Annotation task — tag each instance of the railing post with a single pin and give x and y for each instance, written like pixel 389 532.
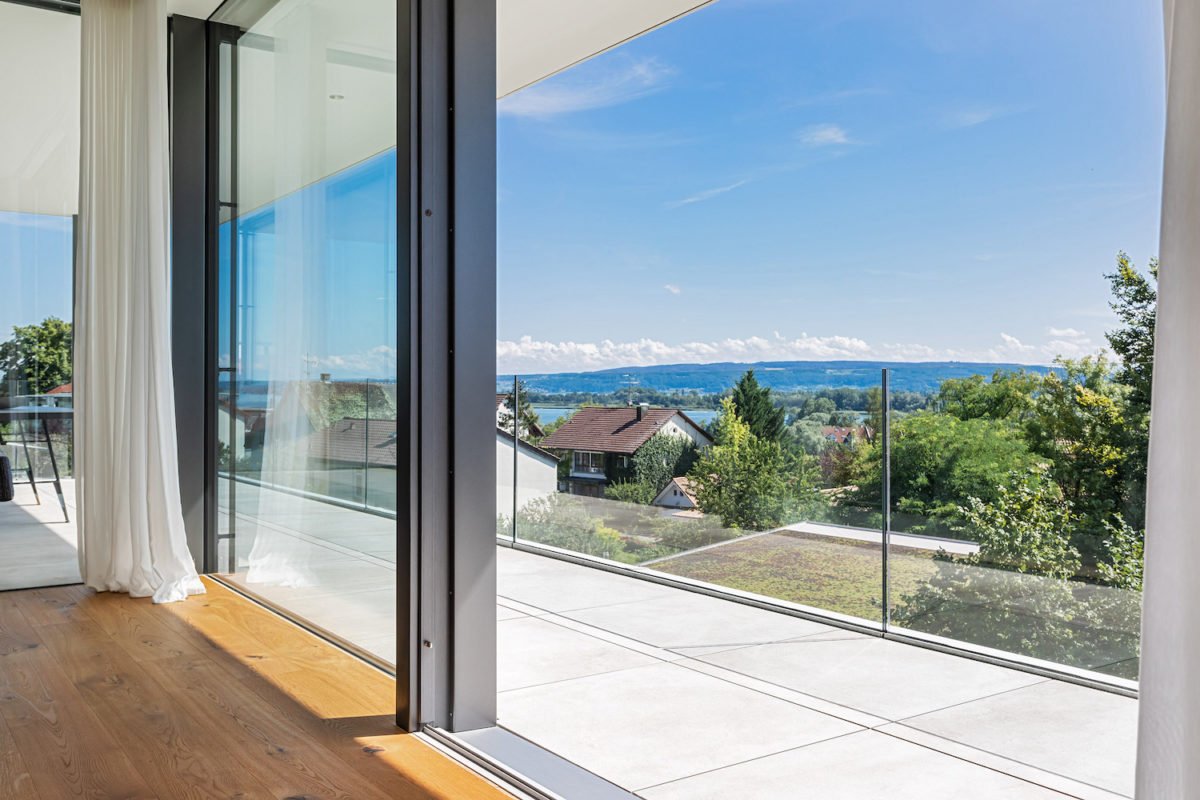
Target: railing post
pixel 516 449
pixel 886 489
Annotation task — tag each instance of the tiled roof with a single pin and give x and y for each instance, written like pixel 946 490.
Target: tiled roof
pixel 685 486
pixel 355 440
pixel 612 430
pixel 66 388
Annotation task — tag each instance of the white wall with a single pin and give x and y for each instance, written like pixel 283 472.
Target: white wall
pixel 238 446
pixel 537 477
pixel 677 427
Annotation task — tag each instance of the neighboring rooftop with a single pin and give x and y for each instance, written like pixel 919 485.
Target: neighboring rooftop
pixel 615 430
pixel 354 440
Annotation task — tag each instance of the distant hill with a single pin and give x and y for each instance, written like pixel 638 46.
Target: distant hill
pixel 781 375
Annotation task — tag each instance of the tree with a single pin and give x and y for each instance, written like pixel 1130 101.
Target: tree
pixel 1135 300
pixel 756 408
pixel 662 458
pixel 631 492
pixel 1007 396
pixel 750 482
pixel 560 520
pixel 530 427
pixel 37 358
pixel 1078 424
pixel 822 406
pixel 1017 593
pixel 938 461
pixel 1027 528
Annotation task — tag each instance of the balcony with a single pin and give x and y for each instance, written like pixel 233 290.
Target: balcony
pixel 39 545
pixel 672 693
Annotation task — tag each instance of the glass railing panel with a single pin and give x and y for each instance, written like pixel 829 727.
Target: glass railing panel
pixel 780 500
pixel 1012 552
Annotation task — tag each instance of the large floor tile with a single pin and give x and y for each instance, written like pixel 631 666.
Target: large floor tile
pixel 888 679
pixel 693 623
pixel 641 727
pixel 1084 734
pixel 533 651
pixel 861 766
pixel 37 546
pixel 555 585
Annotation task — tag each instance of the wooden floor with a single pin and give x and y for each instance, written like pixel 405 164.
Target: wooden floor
pixel 103 696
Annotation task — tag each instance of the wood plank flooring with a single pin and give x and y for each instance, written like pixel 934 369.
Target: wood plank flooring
pixel 104 696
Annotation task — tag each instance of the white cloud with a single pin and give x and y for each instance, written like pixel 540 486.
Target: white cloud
pixel 572 93
pixel 528 355
pixel 1015 345
pixel 823 135
pixel 1066 333
pixel 707 194
pixel 673 289
pixel 377 362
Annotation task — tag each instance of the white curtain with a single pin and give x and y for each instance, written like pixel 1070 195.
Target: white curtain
pixel 1169 723
pixel 131 535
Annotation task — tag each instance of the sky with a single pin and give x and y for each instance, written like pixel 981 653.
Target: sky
pixel 758 180
pixel 35 269
pixel 783 179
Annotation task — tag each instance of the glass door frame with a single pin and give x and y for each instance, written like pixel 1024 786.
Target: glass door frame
pixel 445 595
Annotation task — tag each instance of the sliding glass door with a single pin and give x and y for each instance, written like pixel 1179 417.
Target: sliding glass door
pixel 308 324
pixel 39 190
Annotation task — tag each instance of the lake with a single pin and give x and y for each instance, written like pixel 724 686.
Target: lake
pixel 547 414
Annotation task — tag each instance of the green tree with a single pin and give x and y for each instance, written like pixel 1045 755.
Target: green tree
pixel 631 492
pixel 662 458
pixel 1026 528
pixel 1135 300
pixel 37 358
pixel 530 428
pixel 938 461
pixel 1007 396
pixel 750 482
pixel 756 408
pixel 822 406
pixel 1123 556
pixel 1016 593
pixel 1078 424
pixel 560 520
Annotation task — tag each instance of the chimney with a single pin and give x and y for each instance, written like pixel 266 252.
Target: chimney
pixel 641 411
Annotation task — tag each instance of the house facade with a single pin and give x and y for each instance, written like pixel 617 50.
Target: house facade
pixel 600 443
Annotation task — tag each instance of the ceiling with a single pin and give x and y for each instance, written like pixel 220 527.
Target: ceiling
pixel 535 39
pixel 39 135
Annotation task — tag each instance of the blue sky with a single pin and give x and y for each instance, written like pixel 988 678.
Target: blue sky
pixel 763 179
pixel 911 181
pixel 35 269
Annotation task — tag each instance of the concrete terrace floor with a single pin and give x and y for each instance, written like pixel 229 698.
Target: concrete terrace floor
pixel 38 546
pixel 671 694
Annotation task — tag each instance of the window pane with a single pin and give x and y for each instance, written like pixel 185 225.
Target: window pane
pixel 313 294
pixel 39 190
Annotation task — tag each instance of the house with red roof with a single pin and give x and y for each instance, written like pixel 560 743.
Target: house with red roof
pixel 600 443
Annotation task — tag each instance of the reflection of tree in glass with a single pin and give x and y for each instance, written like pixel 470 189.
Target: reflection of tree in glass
pixel 37 358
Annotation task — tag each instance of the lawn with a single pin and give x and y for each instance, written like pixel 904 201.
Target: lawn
pixel 840 575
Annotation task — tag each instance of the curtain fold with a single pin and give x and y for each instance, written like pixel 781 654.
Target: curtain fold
pixel 1168 766
pixel 131 534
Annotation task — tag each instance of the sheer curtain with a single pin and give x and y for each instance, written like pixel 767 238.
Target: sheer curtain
pixel 1169 724
pixel 131 535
